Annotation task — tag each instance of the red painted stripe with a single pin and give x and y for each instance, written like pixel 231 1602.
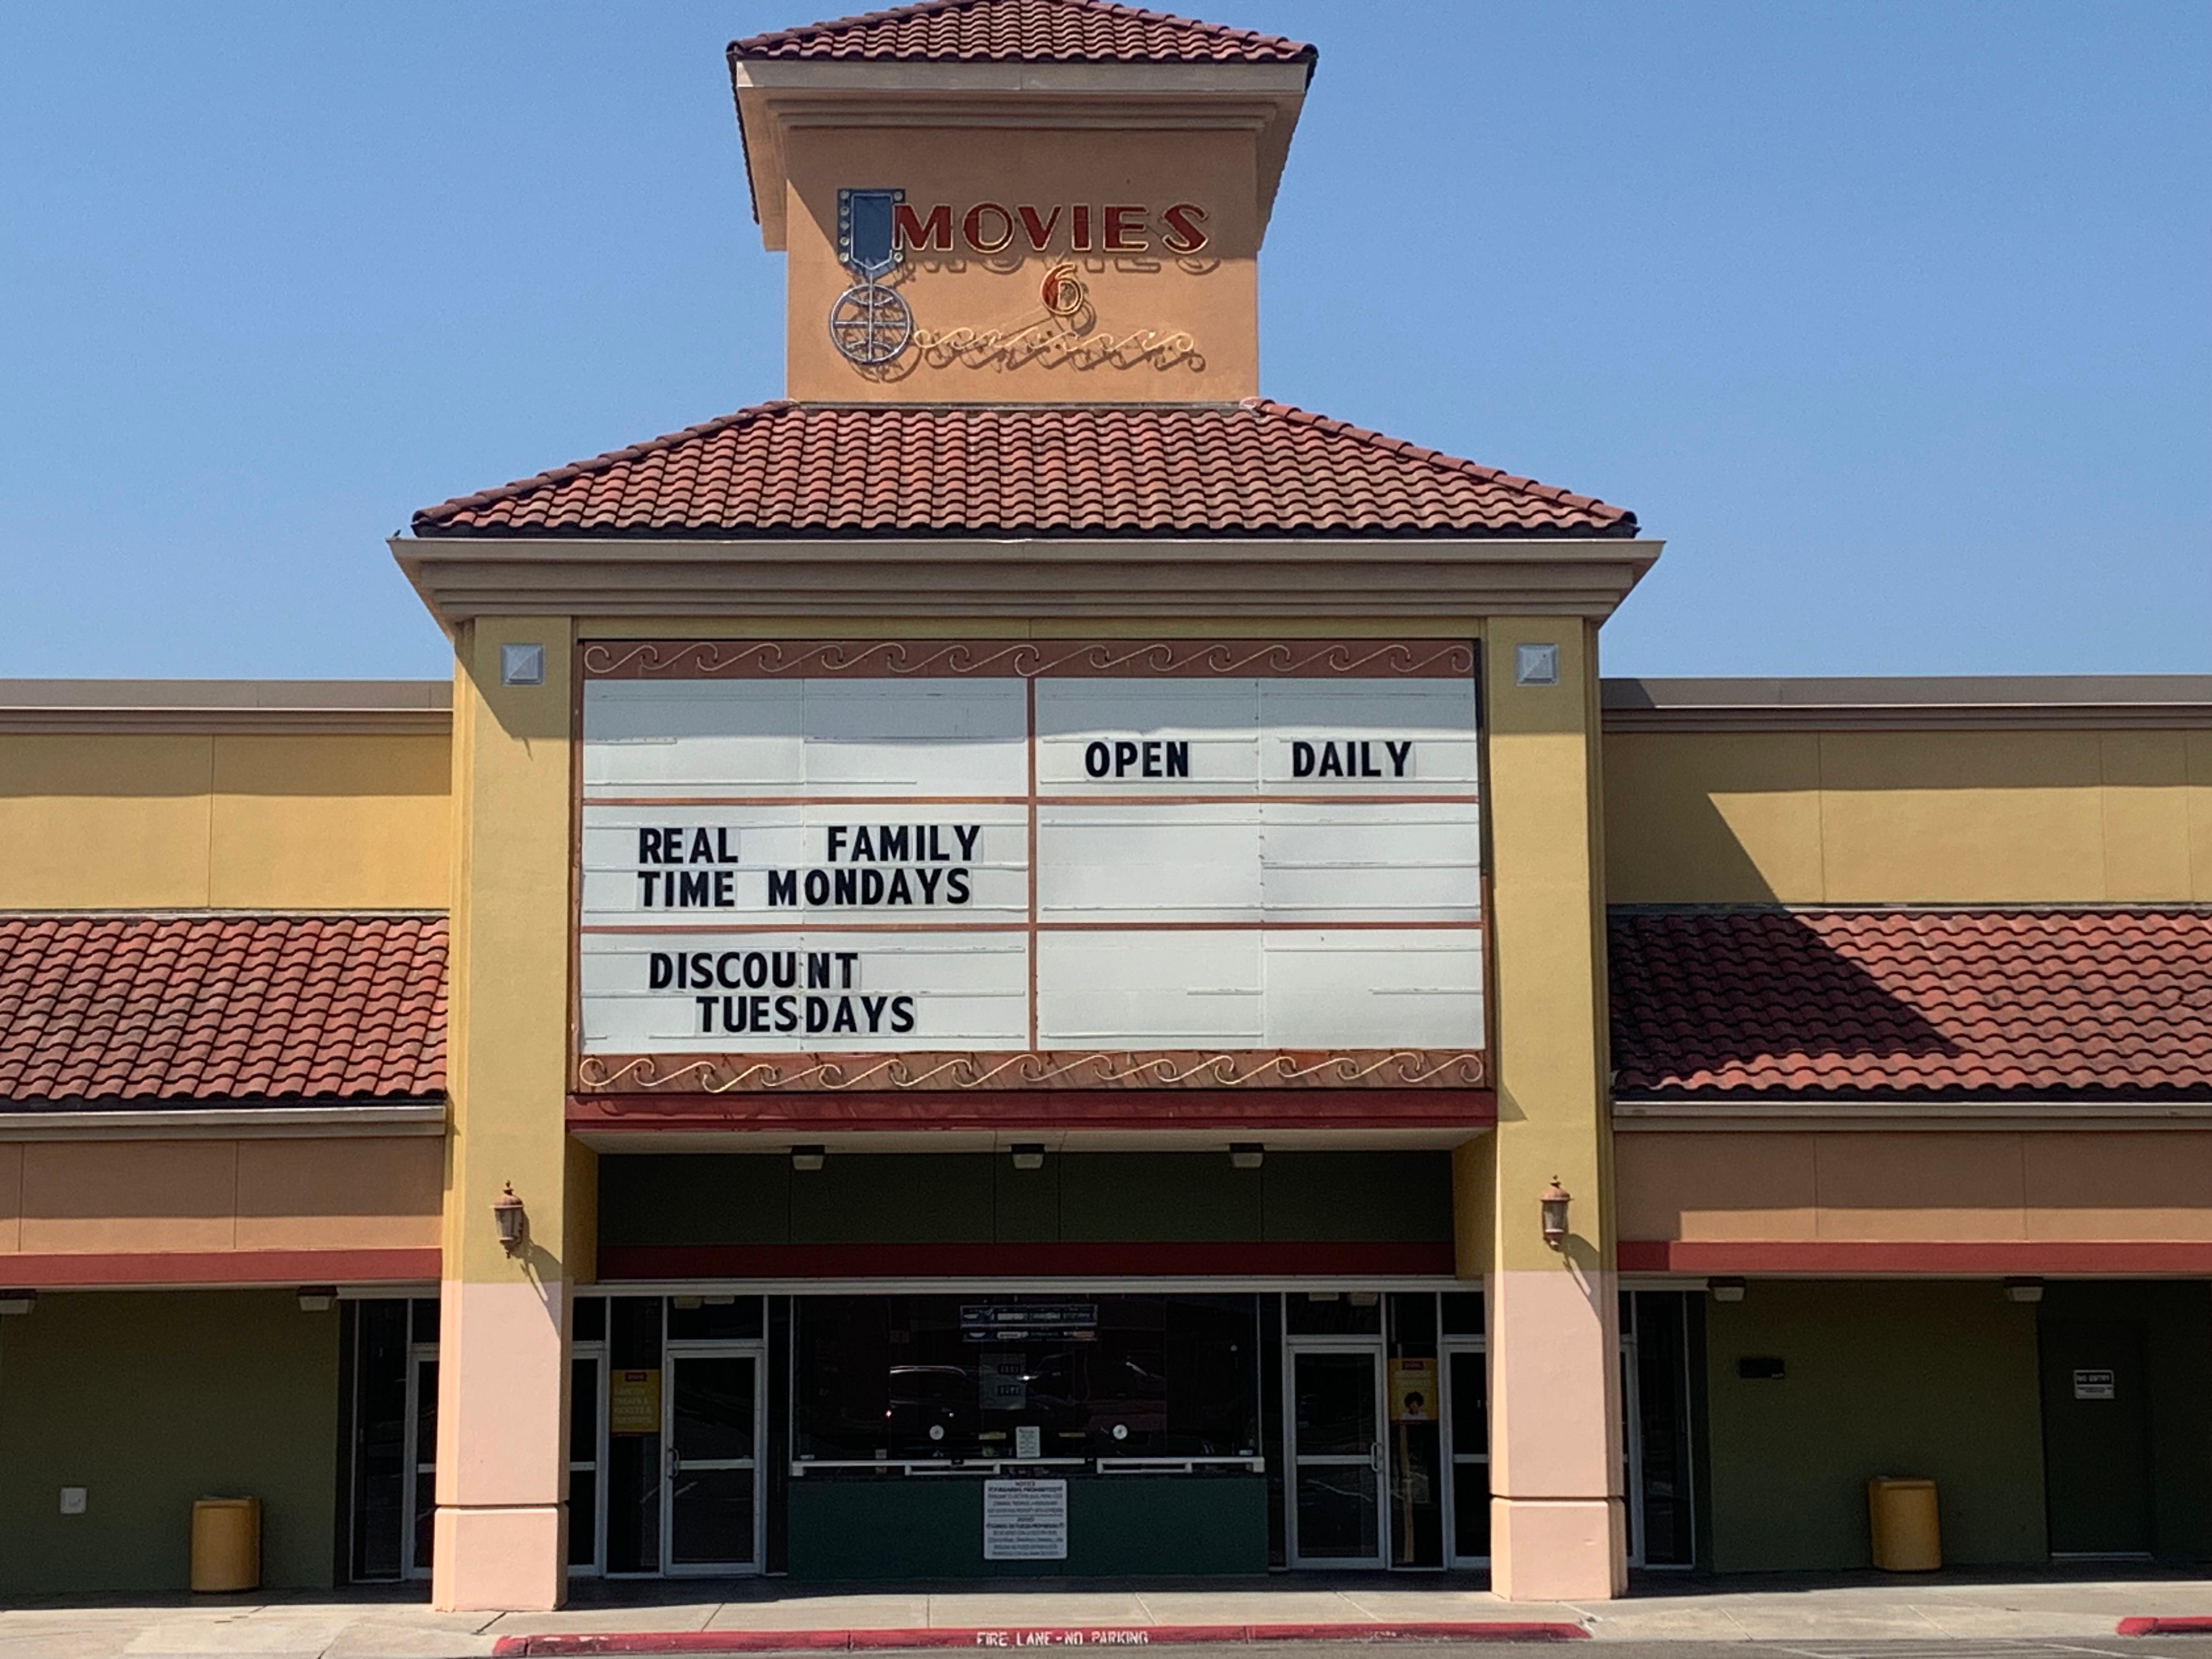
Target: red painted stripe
pixel 1383 1259
pixel 2164 1625
pixel 1026 1636
pixel 1884 1256
pixel 1245 1110
pixel 221 1268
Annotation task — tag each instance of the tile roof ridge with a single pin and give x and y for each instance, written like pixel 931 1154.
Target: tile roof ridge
pixel 747 45
pixel 968 405
pixel 566 472
pixel 798 31
pixel 1437 458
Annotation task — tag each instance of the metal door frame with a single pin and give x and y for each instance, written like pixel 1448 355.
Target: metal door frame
pixel 1374 1348
pixel 672 1354
pixel 1450 1351
pixel 416 1467
pixel 594 1354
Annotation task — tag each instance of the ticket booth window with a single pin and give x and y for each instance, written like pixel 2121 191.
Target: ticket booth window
pixel 1111 1381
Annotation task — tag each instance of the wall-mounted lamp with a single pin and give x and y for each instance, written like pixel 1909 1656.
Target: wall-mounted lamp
pixel 1246 1154
pixel 1553 1204
pixel 318 1299
pixel 1029 1155
pixel 18 1302
pixel 2023 1290
pixel 807 1157
pixel 506 1215
pixel 1726 1290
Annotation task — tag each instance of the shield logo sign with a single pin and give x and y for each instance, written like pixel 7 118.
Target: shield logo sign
pixel 866 244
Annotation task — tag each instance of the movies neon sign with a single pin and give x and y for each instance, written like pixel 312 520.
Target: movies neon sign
pixel 994 227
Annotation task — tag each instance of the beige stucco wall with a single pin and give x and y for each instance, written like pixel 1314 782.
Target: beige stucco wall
pixel 329 821
pixel 122 1197
pixel 1929 1187
pixel 1902 817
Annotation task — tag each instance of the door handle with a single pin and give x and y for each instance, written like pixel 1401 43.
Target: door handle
pixel 1375 1455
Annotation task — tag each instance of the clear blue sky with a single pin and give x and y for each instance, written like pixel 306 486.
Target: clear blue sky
pixel 1895 319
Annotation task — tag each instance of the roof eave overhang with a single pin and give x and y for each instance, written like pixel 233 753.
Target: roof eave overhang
pixel 217 1119
pixel 1408 579
pixel 774 95
pixel 1994 1112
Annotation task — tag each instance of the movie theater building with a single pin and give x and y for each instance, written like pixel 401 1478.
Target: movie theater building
pixel 1025 963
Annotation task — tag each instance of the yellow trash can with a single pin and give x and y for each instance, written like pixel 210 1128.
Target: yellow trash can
pixel 225 1545
pixel 1906 1536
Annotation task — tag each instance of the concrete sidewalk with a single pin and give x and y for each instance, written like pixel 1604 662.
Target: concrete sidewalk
pixel 374 1624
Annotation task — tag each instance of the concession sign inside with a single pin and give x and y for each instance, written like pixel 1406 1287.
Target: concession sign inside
pixel 959 865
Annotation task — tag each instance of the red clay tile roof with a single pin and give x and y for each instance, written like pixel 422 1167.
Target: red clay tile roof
pixel 1024 32
pixel 1251 468
pixel 157 1009
pixel 2049 1003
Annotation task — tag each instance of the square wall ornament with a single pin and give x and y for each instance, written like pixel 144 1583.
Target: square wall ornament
pixel 1535 665
pixel 522 664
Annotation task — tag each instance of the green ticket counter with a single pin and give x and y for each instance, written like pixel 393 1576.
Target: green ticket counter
pixel 932 1527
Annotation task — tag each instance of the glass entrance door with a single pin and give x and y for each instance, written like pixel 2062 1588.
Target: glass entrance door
pixel 1336 1413
pixel 710 1518
pixel 1467 1425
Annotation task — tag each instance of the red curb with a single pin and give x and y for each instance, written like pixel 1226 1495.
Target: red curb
pixel 1024 1636
pixel 2154 1625
pixel 1480 1630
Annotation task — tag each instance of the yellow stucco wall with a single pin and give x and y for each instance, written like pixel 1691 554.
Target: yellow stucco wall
pixel 1899 817
pixel 316 821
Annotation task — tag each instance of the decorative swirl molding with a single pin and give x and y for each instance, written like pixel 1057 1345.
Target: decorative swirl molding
pixel 720 1074
pixel 715 659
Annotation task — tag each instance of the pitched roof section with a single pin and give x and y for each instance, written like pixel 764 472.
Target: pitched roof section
pixel 181 1010
pixel 1255 468
pixel 2050 1004
pixel 1020 32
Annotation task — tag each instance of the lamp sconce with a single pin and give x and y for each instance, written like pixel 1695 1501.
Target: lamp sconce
pixel 807 1157
pixel 508 1215
pixel 1246 1154
pixel 18 1302
pixel 1726 1290
pixel 318 1299
pixel 1553 1205
pixel 2023 1290
pixel 1029 1155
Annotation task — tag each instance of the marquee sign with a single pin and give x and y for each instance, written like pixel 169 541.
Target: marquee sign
pixel 1011 864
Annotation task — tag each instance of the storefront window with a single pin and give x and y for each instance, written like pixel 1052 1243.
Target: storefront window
pixel 906 1379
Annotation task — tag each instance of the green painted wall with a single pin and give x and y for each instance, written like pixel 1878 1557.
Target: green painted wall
pixel 150 1399
pixel 932 1527
pixel 980 1198
pixel 1935 1379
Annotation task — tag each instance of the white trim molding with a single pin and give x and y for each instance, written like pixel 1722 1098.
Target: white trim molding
pixel 463 577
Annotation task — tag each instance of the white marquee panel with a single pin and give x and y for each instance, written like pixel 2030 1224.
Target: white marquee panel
pixel 1255 861
pixel 795 840
pixel 967 991
pixel 1357 988
pixel 752 736
pixel 1244 736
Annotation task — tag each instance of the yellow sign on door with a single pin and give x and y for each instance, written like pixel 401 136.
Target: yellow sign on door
pixel 1413 1391
pixel 634 1402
